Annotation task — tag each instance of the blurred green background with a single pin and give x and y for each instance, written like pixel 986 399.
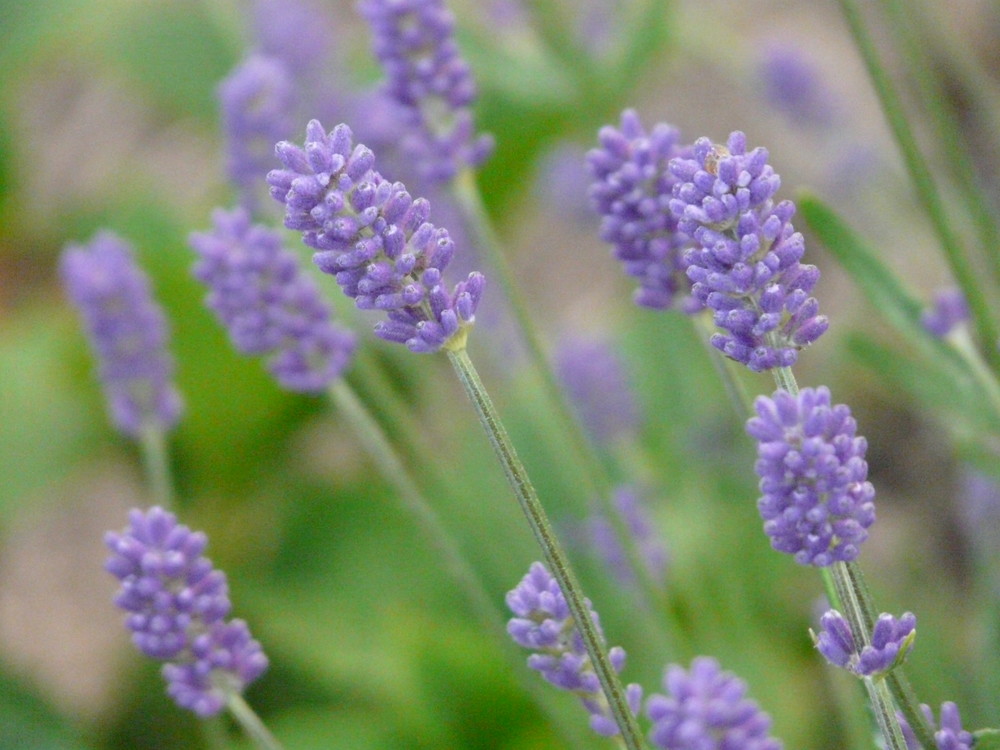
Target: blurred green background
pixel 108 118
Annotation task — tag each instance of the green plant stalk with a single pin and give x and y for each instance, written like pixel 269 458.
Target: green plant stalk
pixel 926 189
pixel 391 467
pixel 590 466
pixel 848 583
pixel 251 723
pixel 156 465
pixel 902 16
pixel 555 557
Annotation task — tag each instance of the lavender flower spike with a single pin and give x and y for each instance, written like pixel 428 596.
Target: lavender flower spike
pixel 257 100
pixel 950 736
pixel 707 708
pixel 127 331
pixel 630 506
pixel 543 623
pixel 414 40
pixel 745 260
pixel 815 499
pixel 259 293
pixel 948 311
pixel 177 604
pixel 374 239
pixel 891 641
pixel 631 192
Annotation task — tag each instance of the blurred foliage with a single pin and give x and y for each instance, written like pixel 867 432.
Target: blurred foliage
pixel 371 644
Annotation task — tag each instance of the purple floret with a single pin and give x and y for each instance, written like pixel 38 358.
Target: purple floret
pixel 950 735
pixel 177 604
pixel 261 295
pixel 948 311
pixel 127 331
pixel 543 624
pixel 744 264
pixel 891 641
pixel 432 85
pixel 631 192
pixel 815 499
pixel 707 709
pixel 374 239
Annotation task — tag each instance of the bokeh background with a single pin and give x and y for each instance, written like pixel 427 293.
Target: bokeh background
pixel 109 118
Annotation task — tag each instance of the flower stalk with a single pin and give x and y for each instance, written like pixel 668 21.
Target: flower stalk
pixel 555 557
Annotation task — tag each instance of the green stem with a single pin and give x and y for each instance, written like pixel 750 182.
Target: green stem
pixel 902 17
pixel 156 465
pixel 555 558
pixel 377 445
pixel 391 467
pixel 885 714
pixel 251 723
pixel 923 181
pixel 590 466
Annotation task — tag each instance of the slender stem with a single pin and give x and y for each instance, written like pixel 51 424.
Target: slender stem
pixel 377 444
pixel 590 466
pixel 923 181
pixel 156 465
pixel 391 467
pixel 885 714
pixel 903 16
pixel 251 723
pixel 555 558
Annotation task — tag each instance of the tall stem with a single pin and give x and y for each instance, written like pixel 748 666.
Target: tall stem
pixel 156 465
pixel 251 723
pixel 923 181
pixel 391 467
pixel 555 557
pixel 590 466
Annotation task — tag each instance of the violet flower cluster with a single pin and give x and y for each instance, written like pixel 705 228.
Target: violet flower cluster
pixel 745 261
pixel 815 499
pixel 948 311
pixel 414 40
pixel 628 503
pixel 259 293
pixel 890 642
pixel 595 379
pixel 706 708
pixel 631 192
pixel 258 102
pixel 374 239
pixel 543 623
pixel 127 331
pixel 949 736
pixel 177 604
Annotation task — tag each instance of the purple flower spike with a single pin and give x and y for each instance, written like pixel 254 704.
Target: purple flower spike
pixel 705 709
pixel 891 641
pixel 374 239
pixel 630 507
pixel 745 261
pixel 631 192
pixel 815 500
pixel 127 332
pixel 947 312
pixel 950 736
pixel 258 291
pixel 414 40
pixel 177 604
pixel 543 623
pixel 595 377
pixel 257 99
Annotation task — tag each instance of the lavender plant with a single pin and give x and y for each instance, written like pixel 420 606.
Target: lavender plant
pixel 701 230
